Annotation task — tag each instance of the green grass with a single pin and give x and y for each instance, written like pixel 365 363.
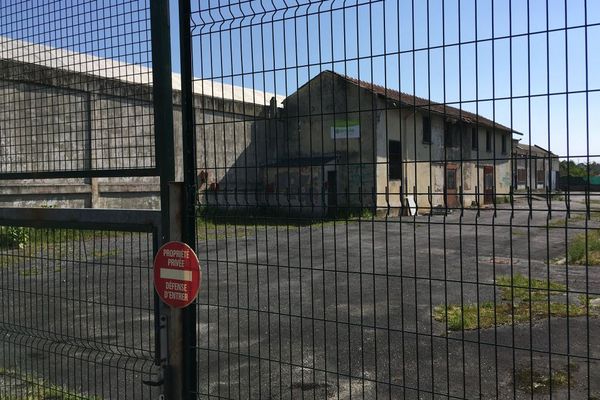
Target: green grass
pixel 47 239
pixel 522 300
pixel 524 289
pixel 532 381
pixel 487 315
pixel 575 217
pixel 580 254
pixel 30 272
pixel 105 253
pixel 216 223
pixel 26 387
pixel 519 233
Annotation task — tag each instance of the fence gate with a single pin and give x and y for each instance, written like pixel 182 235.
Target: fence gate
pixel 379 213
pixel 79 102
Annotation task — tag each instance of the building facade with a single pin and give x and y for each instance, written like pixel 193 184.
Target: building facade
pixel 535 168
pixel 352 144
pixel 335 144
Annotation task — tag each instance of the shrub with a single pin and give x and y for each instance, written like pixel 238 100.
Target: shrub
pixel 578 254
pixel 12 237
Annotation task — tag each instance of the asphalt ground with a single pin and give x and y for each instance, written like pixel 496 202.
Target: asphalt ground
pixel 335 310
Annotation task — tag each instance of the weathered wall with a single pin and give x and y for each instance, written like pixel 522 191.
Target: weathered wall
pixel 62 121
pixel 532 165
pixel 310 114
pixel 423 166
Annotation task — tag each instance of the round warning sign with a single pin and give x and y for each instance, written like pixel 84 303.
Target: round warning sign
pixel 177 274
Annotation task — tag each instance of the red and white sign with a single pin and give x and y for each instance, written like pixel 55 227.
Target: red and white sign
pixel 177 274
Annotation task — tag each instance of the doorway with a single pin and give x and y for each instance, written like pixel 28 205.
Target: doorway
pixel 451 192
pixel 488 185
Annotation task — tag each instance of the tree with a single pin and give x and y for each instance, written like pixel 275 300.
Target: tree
pixel 569 168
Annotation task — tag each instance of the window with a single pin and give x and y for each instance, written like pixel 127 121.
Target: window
pixel 426 130
pixel 521 176
pixel 488 141
pixel 474 139
pixel 540 177
pixel 448 135
pixel 395 160
pixel 504 146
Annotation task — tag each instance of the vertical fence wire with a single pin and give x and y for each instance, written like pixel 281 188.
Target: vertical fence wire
pixel 76 130
pixel 396 199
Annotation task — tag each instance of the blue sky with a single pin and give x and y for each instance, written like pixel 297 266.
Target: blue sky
pixel 523 63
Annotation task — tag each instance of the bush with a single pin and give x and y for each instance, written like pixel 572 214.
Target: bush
pixel 12 237
pixel 578 254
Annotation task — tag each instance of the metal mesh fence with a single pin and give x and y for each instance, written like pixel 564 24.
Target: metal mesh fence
pixel 78 313
pixel 75 85
pixel 387 199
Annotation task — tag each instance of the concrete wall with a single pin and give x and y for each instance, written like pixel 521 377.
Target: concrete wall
pixel 56 120
pixel 424 164
pixel 309 116
pixel 534 165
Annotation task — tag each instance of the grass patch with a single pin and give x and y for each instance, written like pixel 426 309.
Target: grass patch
pixel 487 315
pixel 105 253
pixel 522 300
pixel 557 222
pixel 580 254
pixel 220 223
pixel 519 233
pixel 524 289
pixel 536 382
pixel 26 387
pixel 575 217
pixel 30 272
pixel 532 381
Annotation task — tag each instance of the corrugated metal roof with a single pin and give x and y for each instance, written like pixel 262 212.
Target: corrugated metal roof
pixel 50 57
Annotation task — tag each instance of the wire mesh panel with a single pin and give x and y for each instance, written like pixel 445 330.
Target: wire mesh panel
pixel 75 86
pixel 397 199
pixel 78 314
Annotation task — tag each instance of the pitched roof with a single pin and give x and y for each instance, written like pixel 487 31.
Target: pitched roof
pixel 424 104
pixel 522 148
pixel 82 63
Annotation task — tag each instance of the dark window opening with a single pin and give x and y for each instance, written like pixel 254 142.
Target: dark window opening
pixel 450 179
pixel 426 130
pixel 504 145
pixel 474 139
pixel 448 142
pixel 488 141
pixel 522 176
pixel 395 160
pixel 541 177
